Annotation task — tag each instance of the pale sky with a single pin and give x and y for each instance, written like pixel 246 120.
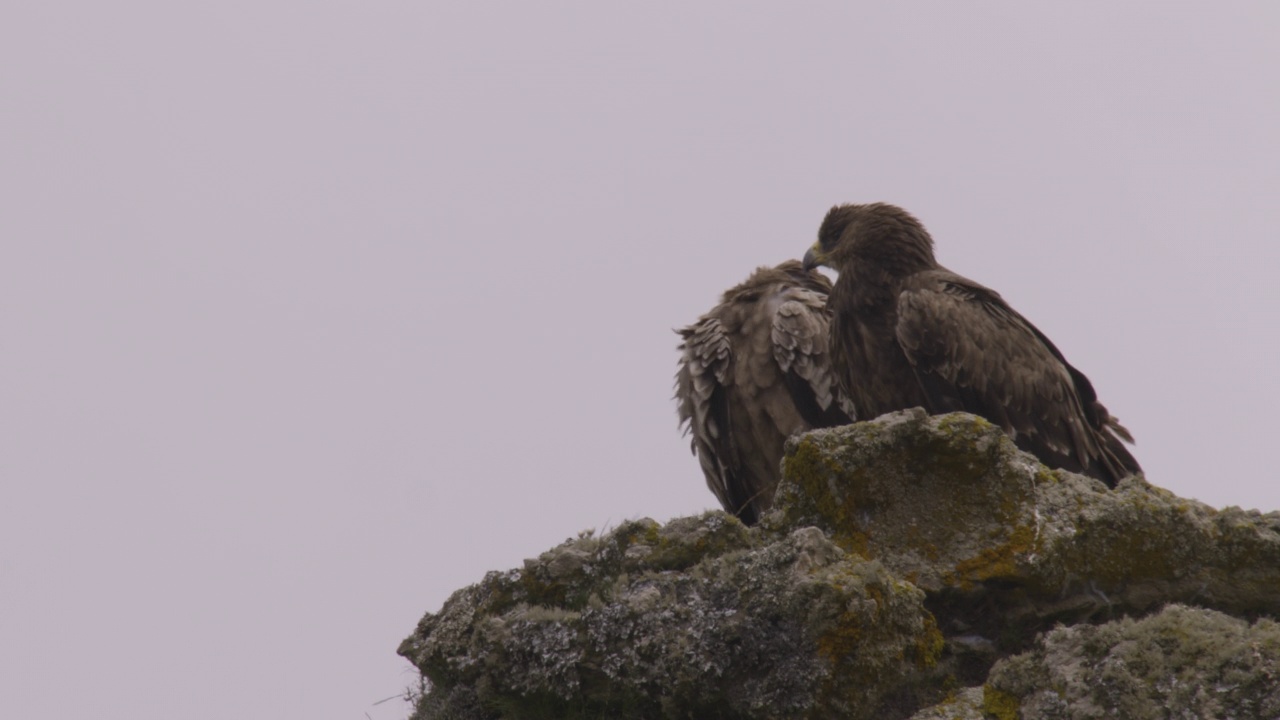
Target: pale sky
pixel 315 312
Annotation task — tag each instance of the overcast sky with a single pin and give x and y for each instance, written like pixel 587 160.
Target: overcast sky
pixel 314 312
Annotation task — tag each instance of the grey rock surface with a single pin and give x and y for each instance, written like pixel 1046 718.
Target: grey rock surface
pixel 700 618
pixel 1181 662
pixel 905 558
pixel 963 705
pixel 949 503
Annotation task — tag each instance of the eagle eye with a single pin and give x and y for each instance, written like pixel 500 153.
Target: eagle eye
pixel 827 238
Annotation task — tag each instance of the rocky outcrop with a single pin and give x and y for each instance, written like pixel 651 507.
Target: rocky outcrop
pixel 1002 543
pixel 700 618
pixel 1179 662
pixel 913 566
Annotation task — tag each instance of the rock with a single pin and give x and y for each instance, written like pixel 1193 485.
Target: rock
pixel 904 559
pixel 700 618
pixel 964 705
pixel 950 504
pixel 1181 662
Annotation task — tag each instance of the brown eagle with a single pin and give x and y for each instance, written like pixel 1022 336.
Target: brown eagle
pixel 753 371
pixel 907 332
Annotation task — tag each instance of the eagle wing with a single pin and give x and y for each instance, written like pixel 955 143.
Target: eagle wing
pixel 800 337
pixel 703 383
pixel 970 351
pixel 753 371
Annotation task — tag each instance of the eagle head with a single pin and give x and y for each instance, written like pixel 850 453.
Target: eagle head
pixel 876 235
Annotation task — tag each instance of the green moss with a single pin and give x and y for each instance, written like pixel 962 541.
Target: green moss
pixel 930 644
pixel 680 551
pixel 813 472
pixel 671 554
pixel 501 598
pixel 962 423
pixel 1000 704
pixel 959 452
pixel 540 592
pixel 634 532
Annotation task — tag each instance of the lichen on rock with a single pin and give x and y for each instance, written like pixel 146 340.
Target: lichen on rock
pixel 951 504
pixel 700 618
pixel 966 704
pixel 1179 662
pixel 904 558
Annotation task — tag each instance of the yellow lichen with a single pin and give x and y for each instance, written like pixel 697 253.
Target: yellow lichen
pixel 994 562
pixel 1000 704
pixel 930 644
pixel 843 640
pixel 815 473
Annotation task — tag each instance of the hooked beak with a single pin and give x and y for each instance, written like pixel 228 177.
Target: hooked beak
pixel 814 257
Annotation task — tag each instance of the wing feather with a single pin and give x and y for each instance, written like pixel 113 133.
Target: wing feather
pixel 971 351
pixel 800 334
pixel 753 371
pixel 706 358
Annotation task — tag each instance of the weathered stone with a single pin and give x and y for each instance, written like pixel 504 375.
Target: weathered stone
pixel 710 619
pixel 949 503
pixel 964 705
pixel 904 558
pixel 1181 662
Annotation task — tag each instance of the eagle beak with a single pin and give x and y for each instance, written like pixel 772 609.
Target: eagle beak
pixel 813 258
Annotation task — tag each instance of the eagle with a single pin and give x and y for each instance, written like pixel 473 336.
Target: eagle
pixel 753 371
pixel 907 332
